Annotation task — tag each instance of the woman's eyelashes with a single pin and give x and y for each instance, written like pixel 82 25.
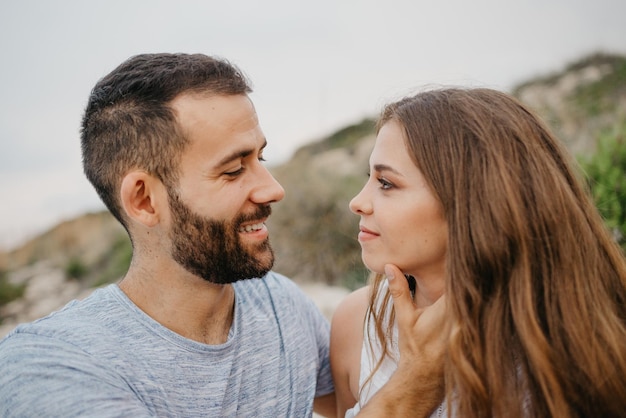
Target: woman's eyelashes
pixel 384 183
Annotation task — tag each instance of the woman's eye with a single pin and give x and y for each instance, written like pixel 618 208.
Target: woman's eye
pixel 384 184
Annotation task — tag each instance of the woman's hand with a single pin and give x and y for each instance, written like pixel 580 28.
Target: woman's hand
pixel 422 333
pixel 417 386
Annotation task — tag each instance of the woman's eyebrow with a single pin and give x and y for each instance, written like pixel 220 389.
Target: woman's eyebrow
pixel 385 167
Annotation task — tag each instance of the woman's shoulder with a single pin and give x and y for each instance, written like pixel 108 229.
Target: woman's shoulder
pixel 348 321
pixel 346 340
pixel 355 304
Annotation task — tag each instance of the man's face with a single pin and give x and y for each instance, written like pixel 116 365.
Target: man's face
pixel 223 196
pixel 212 249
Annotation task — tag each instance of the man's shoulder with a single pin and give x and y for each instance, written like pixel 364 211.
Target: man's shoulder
pixel 75 321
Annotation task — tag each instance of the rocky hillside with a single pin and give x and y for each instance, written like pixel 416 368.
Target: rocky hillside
pixel 586 98
pixel 89 237
pixel 312 230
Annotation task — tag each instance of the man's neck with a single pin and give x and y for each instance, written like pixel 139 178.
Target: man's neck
pixel 184 303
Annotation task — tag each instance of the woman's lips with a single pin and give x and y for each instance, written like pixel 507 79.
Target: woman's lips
pixel 366 234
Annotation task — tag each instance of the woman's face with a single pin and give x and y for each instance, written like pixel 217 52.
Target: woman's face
pixel 402 222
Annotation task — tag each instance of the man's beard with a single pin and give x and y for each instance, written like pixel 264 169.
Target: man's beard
pixel 212 249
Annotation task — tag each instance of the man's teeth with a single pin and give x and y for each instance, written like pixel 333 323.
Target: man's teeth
pixel 250 228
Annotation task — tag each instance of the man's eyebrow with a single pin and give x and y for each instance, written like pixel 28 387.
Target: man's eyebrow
pixel 384 167
pixel 239 154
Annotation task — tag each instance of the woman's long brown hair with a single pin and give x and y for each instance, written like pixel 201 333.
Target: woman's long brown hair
pixel 536 285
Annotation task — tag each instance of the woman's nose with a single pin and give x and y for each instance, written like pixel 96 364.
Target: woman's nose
pixel 359 203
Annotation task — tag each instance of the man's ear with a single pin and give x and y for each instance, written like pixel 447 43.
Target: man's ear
pixel 140 194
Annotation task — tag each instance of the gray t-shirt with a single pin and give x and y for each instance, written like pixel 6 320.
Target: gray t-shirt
pixel 104 357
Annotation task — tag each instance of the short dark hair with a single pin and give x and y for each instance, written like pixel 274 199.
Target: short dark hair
pixel 129 124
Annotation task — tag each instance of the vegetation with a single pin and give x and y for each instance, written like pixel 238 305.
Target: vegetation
pixel 606 172
pixel 598 97
pixel 8 290
pixel 312 230
pixel 75 269
pixel 115 263
pixel 346 137
pixel 109 268
pixel 615 62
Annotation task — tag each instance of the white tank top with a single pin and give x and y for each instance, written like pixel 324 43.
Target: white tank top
pixel 370 353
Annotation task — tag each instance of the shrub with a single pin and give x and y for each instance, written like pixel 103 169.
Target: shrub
pixel 8 290
pixel 606 174
pixel 116 262
pixel 75 269
pixel 600 96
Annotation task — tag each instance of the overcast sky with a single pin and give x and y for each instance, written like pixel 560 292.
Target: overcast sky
pixel 316 66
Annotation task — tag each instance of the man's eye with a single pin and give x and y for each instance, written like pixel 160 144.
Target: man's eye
pixel 234 173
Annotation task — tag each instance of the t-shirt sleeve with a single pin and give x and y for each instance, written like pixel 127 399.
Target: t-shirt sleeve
pixel 320 327
pixel 42 376
pixel 324 378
